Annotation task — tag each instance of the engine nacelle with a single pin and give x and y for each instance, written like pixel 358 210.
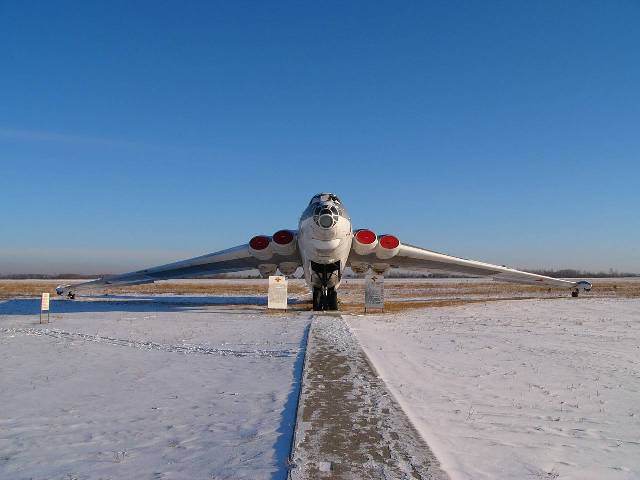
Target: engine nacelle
pixel 288 268
pixel 267 269
pixel 284 242
pixel 260 247
pixel 583 286
pixel 359 267
pixel 364 241
pixel 388 247
pixel 380 268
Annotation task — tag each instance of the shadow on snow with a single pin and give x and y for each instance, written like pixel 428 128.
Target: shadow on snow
pixel 118 303
pixel 284 442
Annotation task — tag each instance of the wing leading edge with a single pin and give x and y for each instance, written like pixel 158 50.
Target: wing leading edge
pixel 415 258
pixel 234 259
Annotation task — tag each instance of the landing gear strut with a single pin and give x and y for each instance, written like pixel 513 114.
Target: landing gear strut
pixel 325 299
pixel 318 299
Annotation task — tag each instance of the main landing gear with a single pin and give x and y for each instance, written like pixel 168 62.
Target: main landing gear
pixel 325 299
pixel 574 293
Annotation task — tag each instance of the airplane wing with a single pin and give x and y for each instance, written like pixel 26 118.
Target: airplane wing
pixel 234 259
pixel 415 258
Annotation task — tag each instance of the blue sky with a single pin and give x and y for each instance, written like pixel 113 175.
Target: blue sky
pixel 134 133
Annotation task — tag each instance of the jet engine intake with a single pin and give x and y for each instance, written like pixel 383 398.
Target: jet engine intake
pixel 388 247
pixel 364 241
pixel 284 242
pixel 260 247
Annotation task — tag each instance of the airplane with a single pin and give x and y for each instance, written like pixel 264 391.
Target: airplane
pixel 324 245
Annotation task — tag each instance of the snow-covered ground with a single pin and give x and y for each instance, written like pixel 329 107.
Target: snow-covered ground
pixel 538 389
pixel 147 388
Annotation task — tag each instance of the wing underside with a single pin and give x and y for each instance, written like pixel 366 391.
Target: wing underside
pixel 236 259
pixel 415 258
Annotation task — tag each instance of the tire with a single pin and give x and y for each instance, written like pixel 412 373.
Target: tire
pixel 317 299
pixel 332 299
pixel 574 294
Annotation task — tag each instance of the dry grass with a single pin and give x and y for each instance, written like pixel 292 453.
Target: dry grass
pixel 400 295
pixel 11 288
pixel 17 288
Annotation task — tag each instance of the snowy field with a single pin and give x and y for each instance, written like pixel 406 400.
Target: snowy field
pixel 529 389
pixel 156 388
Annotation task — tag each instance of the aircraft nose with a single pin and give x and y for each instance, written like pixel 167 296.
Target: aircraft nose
pixel 326 215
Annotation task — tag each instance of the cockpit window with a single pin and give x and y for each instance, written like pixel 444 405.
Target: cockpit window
pixel 325 197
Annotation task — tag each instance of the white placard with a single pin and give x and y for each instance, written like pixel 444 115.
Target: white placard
pixel 373 291
pixel 44 303
pixel 277 292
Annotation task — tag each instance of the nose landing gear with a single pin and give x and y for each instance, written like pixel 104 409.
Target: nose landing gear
pixel 325 299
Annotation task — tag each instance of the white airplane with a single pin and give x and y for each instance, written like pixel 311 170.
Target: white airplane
pixel 324 245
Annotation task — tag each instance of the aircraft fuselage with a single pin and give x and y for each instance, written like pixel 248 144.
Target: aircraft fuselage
pixel 325 234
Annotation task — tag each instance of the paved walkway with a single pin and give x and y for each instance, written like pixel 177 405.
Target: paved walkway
pixel 349 426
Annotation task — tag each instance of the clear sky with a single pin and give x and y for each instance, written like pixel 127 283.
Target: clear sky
pixel 134 133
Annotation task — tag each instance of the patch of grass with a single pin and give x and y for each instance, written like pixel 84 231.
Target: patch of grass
pixel 400 295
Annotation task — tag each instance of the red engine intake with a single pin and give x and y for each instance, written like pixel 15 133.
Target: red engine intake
pixel 283 237
pixel 364 241
pixel 259 242
pixel 388 246
pixel 284 242
pixel 260 247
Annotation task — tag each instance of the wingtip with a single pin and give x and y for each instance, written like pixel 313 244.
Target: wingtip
pixel 65 290
pixel 583 285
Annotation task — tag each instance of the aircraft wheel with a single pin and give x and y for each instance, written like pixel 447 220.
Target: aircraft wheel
pixel 318 299
pixel 332 299
pixel 574 293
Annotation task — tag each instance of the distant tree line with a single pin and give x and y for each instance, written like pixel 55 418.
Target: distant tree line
pixel 571 273
pixel 46 276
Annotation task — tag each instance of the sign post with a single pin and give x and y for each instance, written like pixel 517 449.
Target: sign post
pixel 373 292
pixel 44 306
pixel 277 298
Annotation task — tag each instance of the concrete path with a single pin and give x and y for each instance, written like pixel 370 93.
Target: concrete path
pixel 348 425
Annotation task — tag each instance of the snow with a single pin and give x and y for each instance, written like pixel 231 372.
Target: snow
pixel 518 389
pixel 147 388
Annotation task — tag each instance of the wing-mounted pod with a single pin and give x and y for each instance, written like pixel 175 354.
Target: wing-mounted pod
pixel 260 247
pixel 267 269
pixel 66 290
pixel 364 241
pixel 284 242
pixel 388 246
pixel 580 286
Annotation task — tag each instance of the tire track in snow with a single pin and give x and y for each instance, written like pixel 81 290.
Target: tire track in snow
pixel 147 345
